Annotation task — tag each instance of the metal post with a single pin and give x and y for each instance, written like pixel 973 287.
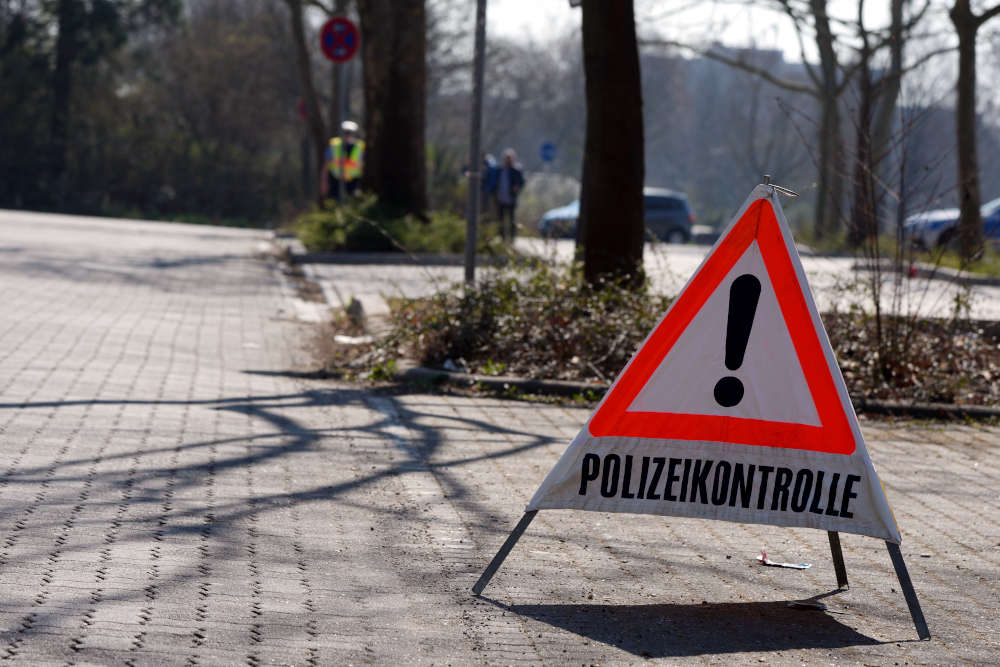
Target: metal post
pixel 838 558
pixel 341 113
pixel 475 162
pixel 911 595
pixel 498 560
pixel 308 176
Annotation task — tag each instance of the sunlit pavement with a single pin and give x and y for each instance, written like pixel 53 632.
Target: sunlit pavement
pixel 175 490
pixel 835 281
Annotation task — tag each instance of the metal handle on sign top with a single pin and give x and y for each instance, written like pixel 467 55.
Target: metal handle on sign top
pixel 779 188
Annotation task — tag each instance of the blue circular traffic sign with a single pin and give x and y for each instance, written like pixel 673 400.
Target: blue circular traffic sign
pixel 339 39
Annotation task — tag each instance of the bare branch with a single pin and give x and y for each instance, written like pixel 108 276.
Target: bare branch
pixel 672 11
pixel 329 10
pixel 733 62
pixel 797 21
pixel 922 60
pixel 850 71
pixel 987 15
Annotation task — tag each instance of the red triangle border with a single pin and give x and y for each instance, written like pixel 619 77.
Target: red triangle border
pixel 834 435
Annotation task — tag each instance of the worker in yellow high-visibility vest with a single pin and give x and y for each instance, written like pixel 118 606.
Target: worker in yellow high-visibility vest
pixel 344 161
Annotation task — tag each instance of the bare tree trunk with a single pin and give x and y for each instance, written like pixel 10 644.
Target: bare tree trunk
pixel 863 226
pixel 886 96
pixel 69 15
pixel 394 48
pixel 831 173
pixel 314 117
pixel 611 204
pixel 831 168
pixel 970 225
pixel 889 86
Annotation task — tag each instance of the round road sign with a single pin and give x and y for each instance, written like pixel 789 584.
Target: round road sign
pixel 339 39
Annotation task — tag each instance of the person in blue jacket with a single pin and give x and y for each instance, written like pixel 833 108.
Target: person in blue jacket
pixel 510 182
pixel 488 182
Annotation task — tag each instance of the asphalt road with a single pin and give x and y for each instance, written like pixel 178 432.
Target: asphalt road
pixel 175 490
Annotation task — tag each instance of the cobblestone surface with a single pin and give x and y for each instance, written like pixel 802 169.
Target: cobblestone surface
pixel 172 491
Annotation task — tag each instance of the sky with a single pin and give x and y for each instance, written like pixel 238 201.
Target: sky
pixel 685 20
pixel 742 23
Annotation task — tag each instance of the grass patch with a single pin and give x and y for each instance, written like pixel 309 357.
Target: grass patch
pixel 364 224
pixel 987 265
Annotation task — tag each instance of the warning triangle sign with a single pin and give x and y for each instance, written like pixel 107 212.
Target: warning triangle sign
pixel 734 407
pixel 672 386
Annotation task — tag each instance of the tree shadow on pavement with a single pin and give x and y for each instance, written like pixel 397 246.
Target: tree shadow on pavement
pixel 142 481
pixel 403 428
pixel 682 630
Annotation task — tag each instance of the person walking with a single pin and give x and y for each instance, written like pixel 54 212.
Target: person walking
pixel 510 182
pixel 488 183
pixel 344 162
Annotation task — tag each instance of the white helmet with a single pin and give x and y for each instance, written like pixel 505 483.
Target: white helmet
pixel 349 126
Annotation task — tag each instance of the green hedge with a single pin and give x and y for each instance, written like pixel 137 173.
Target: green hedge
pixel 363 224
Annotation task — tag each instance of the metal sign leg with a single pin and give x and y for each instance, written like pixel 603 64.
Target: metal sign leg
pixel 498 560
pixel 911 595
pixel 838 558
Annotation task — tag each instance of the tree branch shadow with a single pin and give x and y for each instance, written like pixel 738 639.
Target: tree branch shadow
pixel 286 438
pixel 411 435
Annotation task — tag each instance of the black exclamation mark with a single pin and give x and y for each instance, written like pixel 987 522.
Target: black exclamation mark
pixel 743 296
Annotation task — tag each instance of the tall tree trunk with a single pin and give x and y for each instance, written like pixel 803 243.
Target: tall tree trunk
pixel 970 226
pixel 889 86
pixel 611 204
pixel 887 95
pixel 394 57
pixel 863 225
pixel 831 167
pixel 314 117
pixel 69 14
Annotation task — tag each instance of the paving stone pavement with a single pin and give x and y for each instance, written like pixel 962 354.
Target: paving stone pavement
pixel 174 491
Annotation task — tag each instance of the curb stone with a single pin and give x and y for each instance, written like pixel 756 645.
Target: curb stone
pixel 423 375
pixel 302 256
pixel 931 272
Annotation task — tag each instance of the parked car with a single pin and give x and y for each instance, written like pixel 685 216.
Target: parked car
pixel 931 229
pixel 668 217
pixel 560 222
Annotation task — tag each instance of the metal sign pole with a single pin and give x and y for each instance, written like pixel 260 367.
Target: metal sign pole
pixel 475 162
pixel 339 40
pixel 838 558
pixel 498 560
pixel 911 595
pixel 341 113
pixel 838 562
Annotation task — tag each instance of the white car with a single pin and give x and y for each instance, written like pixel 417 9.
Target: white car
pixel 931 229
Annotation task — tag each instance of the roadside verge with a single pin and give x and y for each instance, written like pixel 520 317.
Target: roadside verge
pixel 374 309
